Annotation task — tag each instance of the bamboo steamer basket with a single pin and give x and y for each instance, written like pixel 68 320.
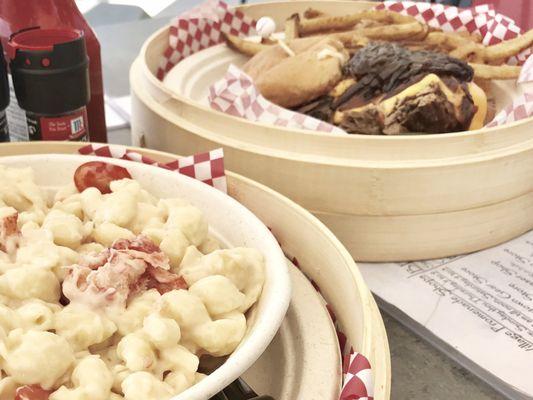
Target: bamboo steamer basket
pixel 386 198
pixel 320 255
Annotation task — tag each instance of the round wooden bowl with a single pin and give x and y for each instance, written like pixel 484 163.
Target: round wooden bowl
pixel 319 253
pixel 387 198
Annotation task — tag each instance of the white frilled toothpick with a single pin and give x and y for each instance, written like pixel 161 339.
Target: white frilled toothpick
pixel 266 27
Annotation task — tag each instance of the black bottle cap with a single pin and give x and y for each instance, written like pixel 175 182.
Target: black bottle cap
pixel 4 86
pixel 50 70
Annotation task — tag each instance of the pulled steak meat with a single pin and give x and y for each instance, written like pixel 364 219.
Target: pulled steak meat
pixel 429 111
pixel 320 108
pixel 382 70
pixel 382 67
pixel 367 121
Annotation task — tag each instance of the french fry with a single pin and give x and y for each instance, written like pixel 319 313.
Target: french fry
pixel 461 45
pixel 419 46
pixel 496 61
pixel 244 46
pixel 422 35
pixel 467 46
pixel 434 29
pixel 386 32
pixel 509 48
pixel 471 52
pixel 477 58
pixel 483 71
pixel 311 13
pixel 292 27
pixel 324 24
pixel 447 40
pixel 473 37
pixel 387 17
pixel 355 42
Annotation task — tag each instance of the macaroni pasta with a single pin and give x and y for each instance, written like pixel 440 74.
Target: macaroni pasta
pixel 113 295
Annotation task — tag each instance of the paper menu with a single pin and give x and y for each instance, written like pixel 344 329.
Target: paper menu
pixel 478 308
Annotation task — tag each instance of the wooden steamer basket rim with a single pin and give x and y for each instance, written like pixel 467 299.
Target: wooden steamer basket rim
pixel 364 328
pixel 320 147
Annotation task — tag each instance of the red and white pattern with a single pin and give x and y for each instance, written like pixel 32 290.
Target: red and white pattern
pixel 522 107
pixel 358 382
pixel 483 20
pixel 357 378
pixel 206 167
pixel 237 95
pixel 526 74
pixel 200 28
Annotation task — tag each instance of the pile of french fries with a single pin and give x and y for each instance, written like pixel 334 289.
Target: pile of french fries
pixel 358 29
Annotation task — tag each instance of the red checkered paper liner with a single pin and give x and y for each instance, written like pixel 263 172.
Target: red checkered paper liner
pixel 483 20
pixel 206 167
pixel 200 28
pixel 526 74
pixel 358 381
pixel 236 94
pixel 522 107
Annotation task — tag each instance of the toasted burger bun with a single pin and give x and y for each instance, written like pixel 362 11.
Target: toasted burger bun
pixel 290 81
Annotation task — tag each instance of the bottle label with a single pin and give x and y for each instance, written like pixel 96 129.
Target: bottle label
pixel 4 131
pixel 65 127
pixel 16 117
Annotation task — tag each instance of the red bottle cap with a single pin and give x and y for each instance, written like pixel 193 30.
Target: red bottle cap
pixel 50 70
pixel 36 39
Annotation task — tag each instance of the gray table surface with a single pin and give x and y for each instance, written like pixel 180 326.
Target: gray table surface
pixel 419 372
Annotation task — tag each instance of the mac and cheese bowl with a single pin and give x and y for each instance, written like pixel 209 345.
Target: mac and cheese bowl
pixel 117 279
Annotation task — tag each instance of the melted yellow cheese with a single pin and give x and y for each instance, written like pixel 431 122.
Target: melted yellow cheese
pixel 341 87
pixel 480 101
pixel 478 96
pixel 455 98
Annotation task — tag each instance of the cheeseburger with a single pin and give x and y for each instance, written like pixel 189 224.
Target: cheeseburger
pixel 388 89
pixel 383 89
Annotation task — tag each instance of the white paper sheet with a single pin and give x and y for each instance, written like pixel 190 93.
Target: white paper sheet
pixel 478 308
pixel 117 112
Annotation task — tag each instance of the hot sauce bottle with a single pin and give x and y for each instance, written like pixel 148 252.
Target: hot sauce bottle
pixel 50 73
pixel 16 15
